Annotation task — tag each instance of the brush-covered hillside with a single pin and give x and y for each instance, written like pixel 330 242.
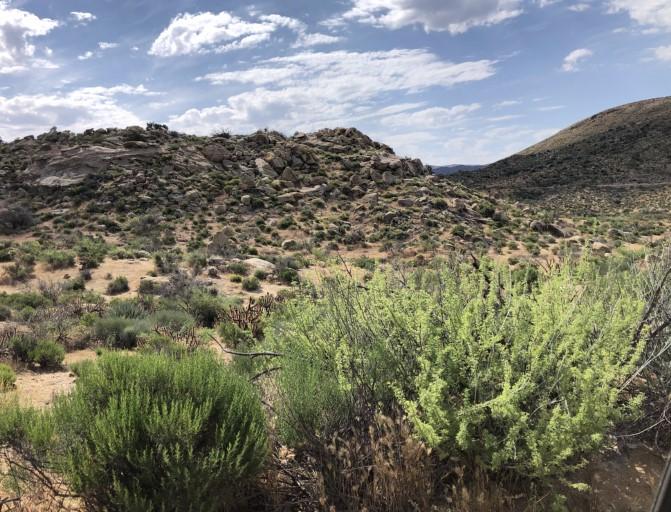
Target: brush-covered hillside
pixel 617 159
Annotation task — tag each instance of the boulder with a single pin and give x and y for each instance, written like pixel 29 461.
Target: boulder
pixel 216 153
pixel 265 168
pixel 260 264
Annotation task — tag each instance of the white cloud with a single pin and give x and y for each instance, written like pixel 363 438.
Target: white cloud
pixel 509 117
pixel 17 30
pixel 316 89
pixel 223 32
pixel 655 14
pixel 573 59
pixel 85 55
pixel 507 103
pixel 107 46
pixel 434 117
pixel 88 107
pixel 316 39
pixel 579 7
pixel 82 18
pixel 198 33
pixel 550 108
pixel 662 53
pixel 454 16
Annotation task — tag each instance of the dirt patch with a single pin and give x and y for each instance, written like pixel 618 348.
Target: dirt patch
pixel 133 270
pixel 621 482
pixel 38 389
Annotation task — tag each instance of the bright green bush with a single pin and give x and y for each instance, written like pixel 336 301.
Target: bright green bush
pixel 503 371
pixel 91 252
pixel 56 259
pixel 7 378
pixel 153 433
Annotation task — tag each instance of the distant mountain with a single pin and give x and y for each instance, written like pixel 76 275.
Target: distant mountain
pixel 618 158
pixel 444 170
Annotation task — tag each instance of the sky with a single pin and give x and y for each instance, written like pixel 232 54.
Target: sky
pixel 447 81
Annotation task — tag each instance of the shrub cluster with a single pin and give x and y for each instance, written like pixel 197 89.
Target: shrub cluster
pixel 489 367
pixel 150 433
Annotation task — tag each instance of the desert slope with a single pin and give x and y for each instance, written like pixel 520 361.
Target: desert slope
pixel 621 156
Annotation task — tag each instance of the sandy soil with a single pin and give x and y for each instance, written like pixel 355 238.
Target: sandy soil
pixel 37 389
pixel 133 270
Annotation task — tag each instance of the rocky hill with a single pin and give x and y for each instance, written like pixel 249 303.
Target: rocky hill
pixel 619 158
pixel 335 188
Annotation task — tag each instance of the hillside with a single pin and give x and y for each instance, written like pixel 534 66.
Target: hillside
pixel 154 188
pixel 619 159
pixel 444 170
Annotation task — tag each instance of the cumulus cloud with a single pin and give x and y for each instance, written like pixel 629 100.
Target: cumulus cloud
pixel 223 32
pixel 662 53
pixel 316 89
pixel 18 28
pixel 85 55
pixel 82 18
pixel 655 14
pixel 77 110
pixel 454 16
pixel 573 59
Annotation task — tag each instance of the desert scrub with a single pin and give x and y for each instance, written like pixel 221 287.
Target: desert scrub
pixel 91 252
pixel 28 349
pixel 498 369
pixel 56 259
pixel 251 284
pixel 119 332
pixel 7 378
pixel 149 432
pixel 118 285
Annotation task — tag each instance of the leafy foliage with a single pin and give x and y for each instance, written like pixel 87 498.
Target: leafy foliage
pixel 149 433
pixel 509 372
pixel 7 378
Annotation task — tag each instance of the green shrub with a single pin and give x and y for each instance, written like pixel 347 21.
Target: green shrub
pixel 5 313
pixel 118 285
pixel 118 332
pixel 147 287
pixel 153 433
pixel 22 346
pixel 238 268
pixel 261 275
pixel 205 308
pixel 251 284
pixel 28 349
pixel 7 378
pixel 236 278
pixel 288 275
pixel 58 259
pixel 91 252
pixel 75 284
pixel 47 354
pixel 498 371
pixel 21 300
pixel 131 308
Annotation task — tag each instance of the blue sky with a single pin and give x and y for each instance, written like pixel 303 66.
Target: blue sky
pixel 448 81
